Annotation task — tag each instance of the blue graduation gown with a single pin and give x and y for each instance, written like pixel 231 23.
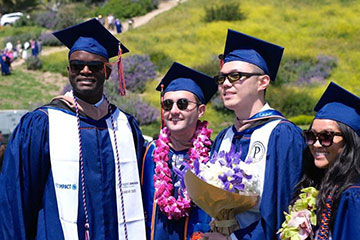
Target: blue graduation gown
pixel 347 221
pixel 283 170
pixel 5 70
pixel 28 206
pixel 164 229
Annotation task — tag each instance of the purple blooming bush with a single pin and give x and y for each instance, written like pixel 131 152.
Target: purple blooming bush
pixel 46 19
pixel 318 72
pixel 138 70
pixel 143 112
pixel 48 39
pixel 305 70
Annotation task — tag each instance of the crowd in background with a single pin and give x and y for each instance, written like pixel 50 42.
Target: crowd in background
pixel 20 51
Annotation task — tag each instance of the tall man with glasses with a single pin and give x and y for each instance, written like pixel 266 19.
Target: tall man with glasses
pixel 262 135
pixel 168 209
pixel 71 169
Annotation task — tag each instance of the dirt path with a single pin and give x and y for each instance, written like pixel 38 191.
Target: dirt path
pixel 138 21
pixel 163 6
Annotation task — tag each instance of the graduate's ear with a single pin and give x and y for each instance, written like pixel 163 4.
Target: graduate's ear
pixel 201 110
pixel 263 82
pixel 68 70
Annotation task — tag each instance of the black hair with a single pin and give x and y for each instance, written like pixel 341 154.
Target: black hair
pixel 341 173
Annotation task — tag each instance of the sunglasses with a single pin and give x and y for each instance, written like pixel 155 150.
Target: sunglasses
pixel 77 66
pixel 182 104
pixel 325 138
pixel 234 76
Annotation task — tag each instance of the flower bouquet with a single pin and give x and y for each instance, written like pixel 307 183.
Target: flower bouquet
pixel 302 215
pixel 223 187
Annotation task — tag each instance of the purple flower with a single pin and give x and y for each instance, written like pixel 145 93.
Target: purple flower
pixel 196 166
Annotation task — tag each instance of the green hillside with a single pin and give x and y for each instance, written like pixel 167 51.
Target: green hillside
pixel 307 29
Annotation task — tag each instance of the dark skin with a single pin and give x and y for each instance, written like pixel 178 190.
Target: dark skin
pixel 88 85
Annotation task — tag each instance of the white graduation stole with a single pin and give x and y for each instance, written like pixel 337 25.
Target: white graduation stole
pixel 257 152
pixel 64 157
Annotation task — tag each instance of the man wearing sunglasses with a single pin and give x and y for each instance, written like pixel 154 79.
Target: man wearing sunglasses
pixel 170 215
pixel 262 135
pixel 72 167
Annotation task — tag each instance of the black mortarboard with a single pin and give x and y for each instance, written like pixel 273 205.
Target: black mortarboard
pixel 242 47
pixel 180 77
pixel 340 105
pixel 90 36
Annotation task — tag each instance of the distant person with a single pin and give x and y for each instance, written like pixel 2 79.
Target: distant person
pixel 2 149
pixel 5 69
pixel 25 52
pixel 19 48
pixel 110 20
pixel 118 25
pixel 9 57
pixel 34 47
pixel 39 43
pixel 131 23
pixel 8 46
pixel 101 19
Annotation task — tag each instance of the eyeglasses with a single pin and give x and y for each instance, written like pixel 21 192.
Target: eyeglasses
pixel 234 76
pixel 325 138
pixel 77 66
pixel 182 104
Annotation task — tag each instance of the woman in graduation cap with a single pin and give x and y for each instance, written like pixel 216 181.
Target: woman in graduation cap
pixel 332 164
pixel 71 169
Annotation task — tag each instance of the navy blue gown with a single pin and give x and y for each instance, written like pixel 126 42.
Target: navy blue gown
pixel 283 169
pixel 28 206
pixel 347 221
pixel 158 226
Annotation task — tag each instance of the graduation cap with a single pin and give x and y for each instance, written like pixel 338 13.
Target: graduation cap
pixel 90 36
pixel 180 77
pixel 242 47
pixel 340 105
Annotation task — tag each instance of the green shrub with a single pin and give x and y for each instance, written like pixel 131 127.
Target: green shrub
pixel 67 17
pixel 25 20
pixel 8 31
pixel 55 62
pixel 127 8
pixel 24 37
pixel 23 34
pixel 161 60
pixel 33 63
pixel 302 120
pixel 229 11
pixel 291 101
pixel 211 67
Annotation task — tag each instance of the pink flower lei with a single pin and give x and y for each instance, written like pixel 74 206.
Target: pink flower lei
pixel 180 207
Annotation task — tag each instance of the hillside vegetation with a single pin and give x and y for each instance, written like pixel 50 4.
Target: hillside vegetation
pixel 309 30
pixel 306 29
